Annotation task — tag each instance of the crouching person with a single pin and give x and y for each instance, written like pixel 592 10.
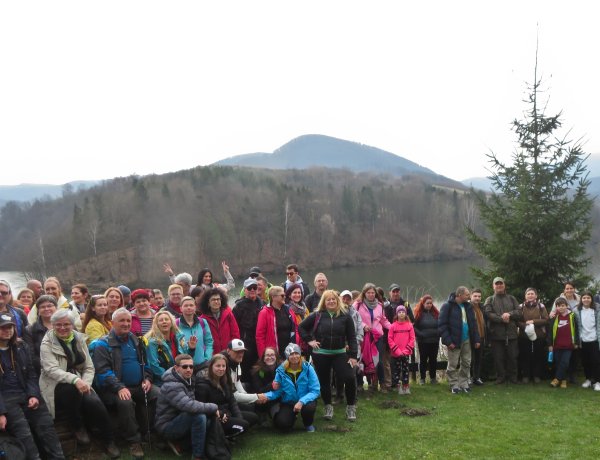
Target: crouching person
pixel 124 380
pixel 214 386
pixel 66 381
pixel 178 414
pixel 22 409
pixel 297 389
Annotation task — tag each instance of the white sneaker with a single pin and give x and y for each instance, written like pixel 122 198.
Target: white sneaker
pixel 328 415
pixel 597 386
pixel 586 384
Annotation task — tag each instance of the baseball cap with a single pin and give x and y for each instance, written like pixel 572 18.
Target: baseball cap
pixel 236 345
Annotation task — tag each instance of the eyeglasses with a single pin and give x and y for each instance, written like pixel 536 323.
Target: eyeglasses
pixel 187 366
pixel 216 299
pixel 254 287
pixel 4 292
pixel 290 273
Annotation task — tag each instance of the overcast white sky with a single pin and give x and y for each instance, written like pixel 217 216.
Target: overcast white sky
pixel 93 90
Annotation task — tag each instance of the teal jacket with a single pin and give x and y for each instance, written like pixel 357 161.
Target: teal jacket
pixel 201 329
pixel 160 358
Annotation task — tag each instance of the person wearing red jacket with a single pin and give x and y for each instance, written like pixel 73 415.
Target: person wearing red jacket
pixel 277 325
pixel 220 319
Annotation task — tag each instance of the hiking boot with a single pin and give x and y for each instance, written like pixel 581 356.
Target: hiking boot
pixel 586 384
pixel 82 436
pixel 422 382
pixel 328 415
pixel 563 384
pixel 478 382
pixel 310 429
pixel 112 450
pixel 554 383
pixel 175 447
pixel 136 451
pixel 351 413
pixel 455 391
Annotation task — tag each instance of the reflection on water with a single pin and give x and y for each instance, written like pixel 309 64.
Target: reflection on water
pixel 15 279
pixel 435 278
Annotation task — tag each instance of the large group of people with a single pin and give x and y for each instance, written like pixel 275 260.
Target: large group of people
pixel 196 372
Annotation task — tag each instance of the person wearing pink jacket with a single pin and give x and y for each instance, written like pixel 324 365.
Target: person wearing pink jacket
pixel 401 339
pixel 374 321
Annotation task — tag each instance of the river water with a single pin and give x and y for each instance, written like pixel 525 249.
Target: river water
pixel 435 278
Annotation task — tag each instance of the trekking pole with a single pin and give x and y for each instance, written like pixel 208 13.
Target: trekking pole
pixel 147 418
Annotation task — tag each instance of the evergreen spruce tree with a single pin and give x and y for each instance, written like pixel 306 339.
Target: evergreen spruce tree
pixel 538 217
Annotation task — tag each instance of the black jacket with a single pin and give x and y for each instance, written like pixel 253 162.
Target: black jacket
pixel 332 332
pixel 450 323
pixel 25 373
pixel 223 397
pixel 107 357
pixel 246 314
pixel 426 328
pixel 33 336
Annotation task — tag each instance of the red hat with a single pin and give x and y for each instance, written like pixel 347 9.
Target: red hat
pixel 139 294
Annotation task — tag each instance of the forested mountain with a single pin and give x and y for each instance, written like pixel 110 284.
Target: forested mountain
pixel 30 192
pixel 314 150
pixel 124 229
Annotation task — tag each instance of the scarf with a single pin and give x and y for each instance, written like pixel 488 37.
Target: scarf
pixel 298 308
pixel 74 356
pixel 480 320
pixel 370 305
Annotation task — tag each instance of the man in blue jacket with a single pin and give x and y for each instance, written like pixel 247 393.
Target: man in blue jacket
pixel 458 329
pixel 124 380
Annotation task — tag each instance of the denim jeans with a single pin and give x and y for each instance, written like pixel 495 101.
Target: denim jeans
pixel 187 423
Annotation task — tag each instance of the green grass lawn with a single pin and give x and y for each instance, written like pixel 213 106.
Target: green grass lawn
pixel 516 421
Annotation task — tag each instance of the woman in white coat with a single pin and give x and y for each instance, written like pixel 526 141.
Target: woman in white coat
pixel 66 381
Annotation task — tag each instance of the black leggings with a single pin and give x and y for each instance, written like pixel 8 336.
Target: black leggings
pixel 428 359
pixel 343 371
pixel 285 417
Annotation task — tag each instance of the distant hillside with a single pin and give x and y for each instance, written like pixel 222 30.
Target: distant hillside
pixel 30 192
pixel 123 230
pixel 314 150
pixel 593 167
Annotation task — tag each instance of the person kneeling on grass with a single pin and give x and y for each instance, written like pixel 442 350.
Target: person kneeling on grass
pixel 298 390
pixel 178 414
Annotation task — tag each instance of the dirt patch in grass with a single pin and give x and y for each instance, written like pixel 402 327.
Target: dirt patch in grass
pixel 414 412
pixel 336 429
pixel 391 404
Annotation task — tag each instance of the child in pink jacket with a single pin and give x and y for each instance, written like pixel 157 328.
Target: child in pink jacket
pixel 401 339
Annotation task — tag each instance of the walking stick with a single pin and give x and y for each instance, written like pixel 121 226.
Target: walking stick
pixel 147 418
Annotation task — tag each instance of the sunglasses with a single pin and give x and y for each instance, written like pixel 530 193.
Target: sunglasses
pixel 290 273
pixel 187 366
pixel 4 292
pixel 254 287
